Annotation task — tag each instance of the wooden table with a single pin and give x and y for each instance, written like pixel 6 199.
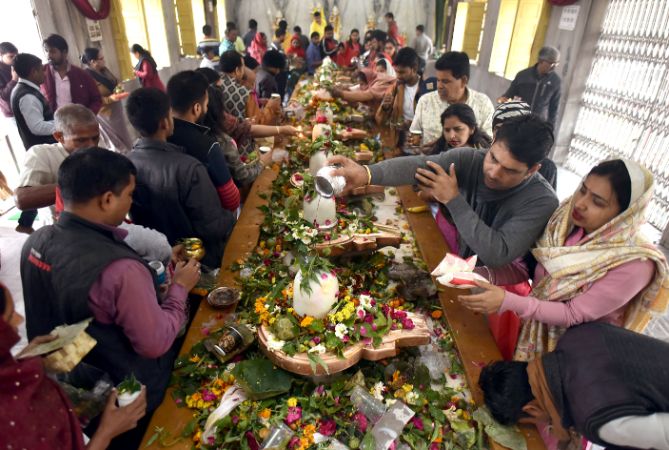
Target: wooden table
pixel 470 331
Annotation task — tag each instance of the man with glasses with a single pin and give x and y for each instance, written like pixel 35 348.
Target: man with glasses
pixel 539 86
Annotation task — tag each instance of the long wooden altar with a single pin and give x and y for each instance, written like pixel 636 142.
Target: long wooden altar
pixel 471 334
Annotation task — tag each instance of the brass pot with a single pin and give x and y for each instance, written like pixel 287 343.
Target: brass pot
pixel 193 248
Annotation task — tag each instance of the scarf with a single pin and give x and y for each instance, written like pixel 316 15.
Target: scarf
pixel 543 396
pixel 296 47
pixel 35 413
pixel 146 57
pixel 258 47
pixel 572 269
pixel 105 78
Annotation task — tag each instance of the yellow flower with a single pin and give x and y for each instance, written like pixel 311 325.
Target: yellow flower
pixel 407 388
pixel 292 402
pixel 265 413
pixel 197 436
pixel 272 320
pixel 309 431
pixel 194 359
pixel 306 321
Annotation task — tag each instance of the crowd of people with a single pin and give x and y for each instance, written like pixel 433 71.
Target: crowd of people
pixel 484 170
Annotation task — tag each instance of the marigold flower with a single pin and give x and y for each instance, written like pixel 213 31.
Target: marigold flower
pixel 306 321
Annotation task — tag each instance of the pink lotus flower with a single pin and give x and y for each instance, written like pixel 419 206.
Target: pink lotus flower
pixel 408 324
pixel 374 327
pixel 319 390
pixel 363 331
pixel 418 423
pixel 361 314
pixel 328 427
pixel 361 421
pixel 294 414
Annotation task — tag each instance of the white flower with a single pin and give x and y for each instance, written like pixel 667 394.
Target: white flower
pixel 456 383
pixel 274 344
pixel 320 349
pixel 365 301
pixel 377 390
pixel 277 309
pixel 353 227
pixel 390 402
pixel 412 398
pixel 341 330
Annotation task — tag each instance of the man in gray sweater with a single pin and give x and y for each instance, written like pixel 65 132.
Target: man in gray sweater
pixel 497 201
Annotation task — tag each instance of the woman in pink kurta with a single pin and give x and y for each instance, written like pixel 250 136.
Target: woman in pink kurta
pixel 591 264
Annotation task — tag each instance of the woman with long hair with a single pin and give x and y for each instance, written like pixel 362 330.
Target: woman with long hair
pixel 460 130
pixel 351 49
pixel 591 264
pixel 146 68
pixel 111 117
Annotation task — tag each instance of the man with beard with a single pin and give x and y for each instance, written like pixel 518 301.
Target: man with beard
pixel 189 99
pixel 65 83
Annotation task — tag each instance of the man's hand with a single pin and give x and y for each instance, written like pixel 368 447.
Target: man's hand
pixel 354 173
pixel 336 92
pixel 502 99
pixel 120 96
pixel 438 184
pixel 388 99
pixel 489 301
pixel 288 130
pixel 37 340
pixel 116 420
pixel 187 274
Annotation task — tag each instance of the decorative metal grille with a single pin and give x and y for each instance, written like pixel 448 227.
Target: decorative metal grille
pixel 625 106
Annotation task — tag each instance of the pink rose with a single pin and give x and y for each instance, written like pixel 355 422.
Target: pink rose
pixel 294 414
pixel 328 427
pixel 361 421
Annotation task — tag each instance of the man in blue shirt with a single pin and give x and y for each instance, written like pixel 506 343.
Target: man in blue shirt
pixel 314 53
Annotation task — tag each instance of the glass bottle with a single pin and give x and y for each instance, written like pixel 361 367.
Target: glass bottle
pixel 229 341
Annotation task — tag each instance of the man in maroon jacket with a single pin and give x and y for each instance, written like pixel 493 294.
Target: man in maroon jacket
pixel 8 79
pixel 66 83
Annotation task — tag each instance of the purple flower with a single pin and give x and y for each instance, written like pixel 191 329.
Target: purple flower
pixel 294 414
pixel 294 442
pixel 345 339
pixel 319 390
pixel 407 324
pixel 369 318
pixel 418 423
pixel 235 420
pixel 316 340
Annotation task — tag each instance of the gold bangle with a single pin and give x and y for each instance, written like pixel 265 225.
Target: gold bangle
pixel 369 175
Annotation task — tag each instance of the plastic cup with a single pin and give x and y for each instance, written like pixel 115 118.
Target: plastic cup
pixel 370 407
pixel 278 438
pixel 160 271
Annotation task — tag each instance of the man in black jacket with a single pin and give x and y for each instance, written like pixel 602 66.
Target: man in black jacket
pixel 614 390
pixel 174 193
pixel 34 117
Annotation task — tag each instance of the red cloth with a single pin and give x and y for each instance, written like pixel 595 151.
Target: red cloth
pixel 149 76
pixel 35 412
pixel 258 47
pixel 505 327
pixel 85 8
pixel 83 88
pixel 296 47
